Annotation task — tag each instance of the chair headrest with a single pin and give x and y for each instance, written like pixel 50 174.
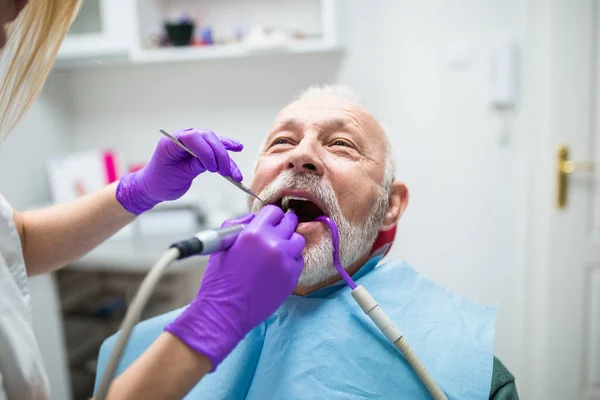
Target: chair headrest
pixel 383 243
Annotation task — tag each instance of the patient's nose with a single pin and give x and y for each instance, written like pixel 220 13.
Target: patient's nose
pixel 304 159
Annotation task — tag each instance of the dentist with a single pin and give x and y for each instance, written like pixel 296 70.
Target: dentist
pixel 241 287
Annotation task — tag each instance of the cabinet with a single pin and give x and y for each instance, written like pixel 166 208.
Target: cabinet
pixel 93 302
pixel 101 31
pixel 107 32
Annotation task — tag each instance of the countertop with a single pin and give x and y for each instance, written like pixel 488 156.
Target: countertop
pixel 136 254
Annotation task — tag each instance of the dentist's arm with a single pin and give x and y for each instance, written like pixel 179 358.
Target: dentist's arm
pixel 56 236
pixel 169 369
pixel 241 288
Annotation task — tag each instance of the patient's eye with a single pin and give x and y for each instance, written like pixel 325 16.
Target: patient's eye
pixel 341 143
pixel 343 147
pixel 281 143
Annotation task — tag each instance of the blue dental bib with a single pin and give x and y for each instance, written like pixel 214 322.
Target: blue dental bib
pixel 323 346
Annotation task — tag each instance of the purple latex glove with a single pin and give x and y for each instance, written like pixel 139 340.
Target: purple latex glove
pixel 171 170
pixel 244 285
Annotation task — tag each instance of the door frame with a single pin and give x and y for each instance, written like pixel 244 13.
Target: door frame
pixel 536 201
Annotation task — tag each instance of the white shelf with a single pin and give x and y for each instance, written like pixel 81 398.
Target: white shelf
pixel 89 46
pixel 181 54
pixel 112 31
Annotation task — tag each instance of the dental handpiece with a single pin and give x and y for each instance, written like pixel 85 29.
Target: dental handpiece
pixel 208 241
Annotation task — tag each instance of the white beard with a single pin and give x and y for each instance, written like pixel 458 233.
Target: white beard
pixel 355 240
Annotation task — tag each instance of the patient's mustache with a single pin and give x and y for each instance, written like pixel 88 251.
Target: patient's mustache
pixel 309 183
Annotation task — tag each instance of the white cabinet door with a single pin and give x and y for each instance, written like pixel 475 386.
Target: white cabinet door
pixel 102 29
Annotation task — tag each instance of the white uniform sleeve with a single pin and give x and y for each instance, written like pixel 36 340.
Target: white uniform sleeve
pixel 22 373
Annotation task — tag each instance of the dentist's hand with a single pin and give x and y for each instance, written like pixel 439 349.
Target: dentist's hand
pixel 243 285
pixel 171 170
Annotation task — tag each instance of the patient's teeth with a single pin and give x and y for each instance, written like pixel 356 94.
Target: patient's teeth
pixel 296 198
pixel 285 201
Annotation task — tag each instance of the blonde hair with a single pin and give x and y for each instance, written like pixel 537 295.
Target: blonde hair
pixel 34 39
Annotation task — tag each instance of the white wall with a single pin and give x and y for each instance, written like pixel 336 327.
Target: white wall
pixel 461 225
pixel 23 181
pixel 43 131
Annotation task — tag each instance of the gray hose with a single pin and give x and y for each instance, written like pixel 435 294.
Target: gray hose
pixel 371 307
pixel 133 316
pixel 420 369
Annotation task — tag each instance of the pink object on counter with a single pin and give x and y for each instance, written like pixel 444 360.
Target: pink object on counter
pixel 110 167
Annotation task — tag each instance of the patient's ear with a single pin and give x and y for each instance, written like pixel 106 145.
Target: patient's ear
pixel 397 204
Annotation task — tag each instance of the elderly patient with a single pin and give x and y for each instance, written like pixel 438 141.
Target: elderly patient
pixel 327 155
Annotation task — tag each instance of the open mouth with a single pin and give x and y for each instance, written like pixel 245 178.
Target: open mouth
pixel 305 208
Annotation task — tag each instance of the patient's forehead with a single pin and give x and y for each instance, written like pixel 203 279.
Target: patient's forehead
pixel 319 109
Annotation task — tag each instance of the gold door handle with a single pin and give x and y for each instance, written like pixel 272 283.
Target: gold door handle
pixel 566 167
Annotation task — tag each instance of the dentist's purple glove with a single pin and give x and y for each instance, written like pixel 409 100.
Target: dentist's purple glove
pixel 171 170
pixel 244 285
